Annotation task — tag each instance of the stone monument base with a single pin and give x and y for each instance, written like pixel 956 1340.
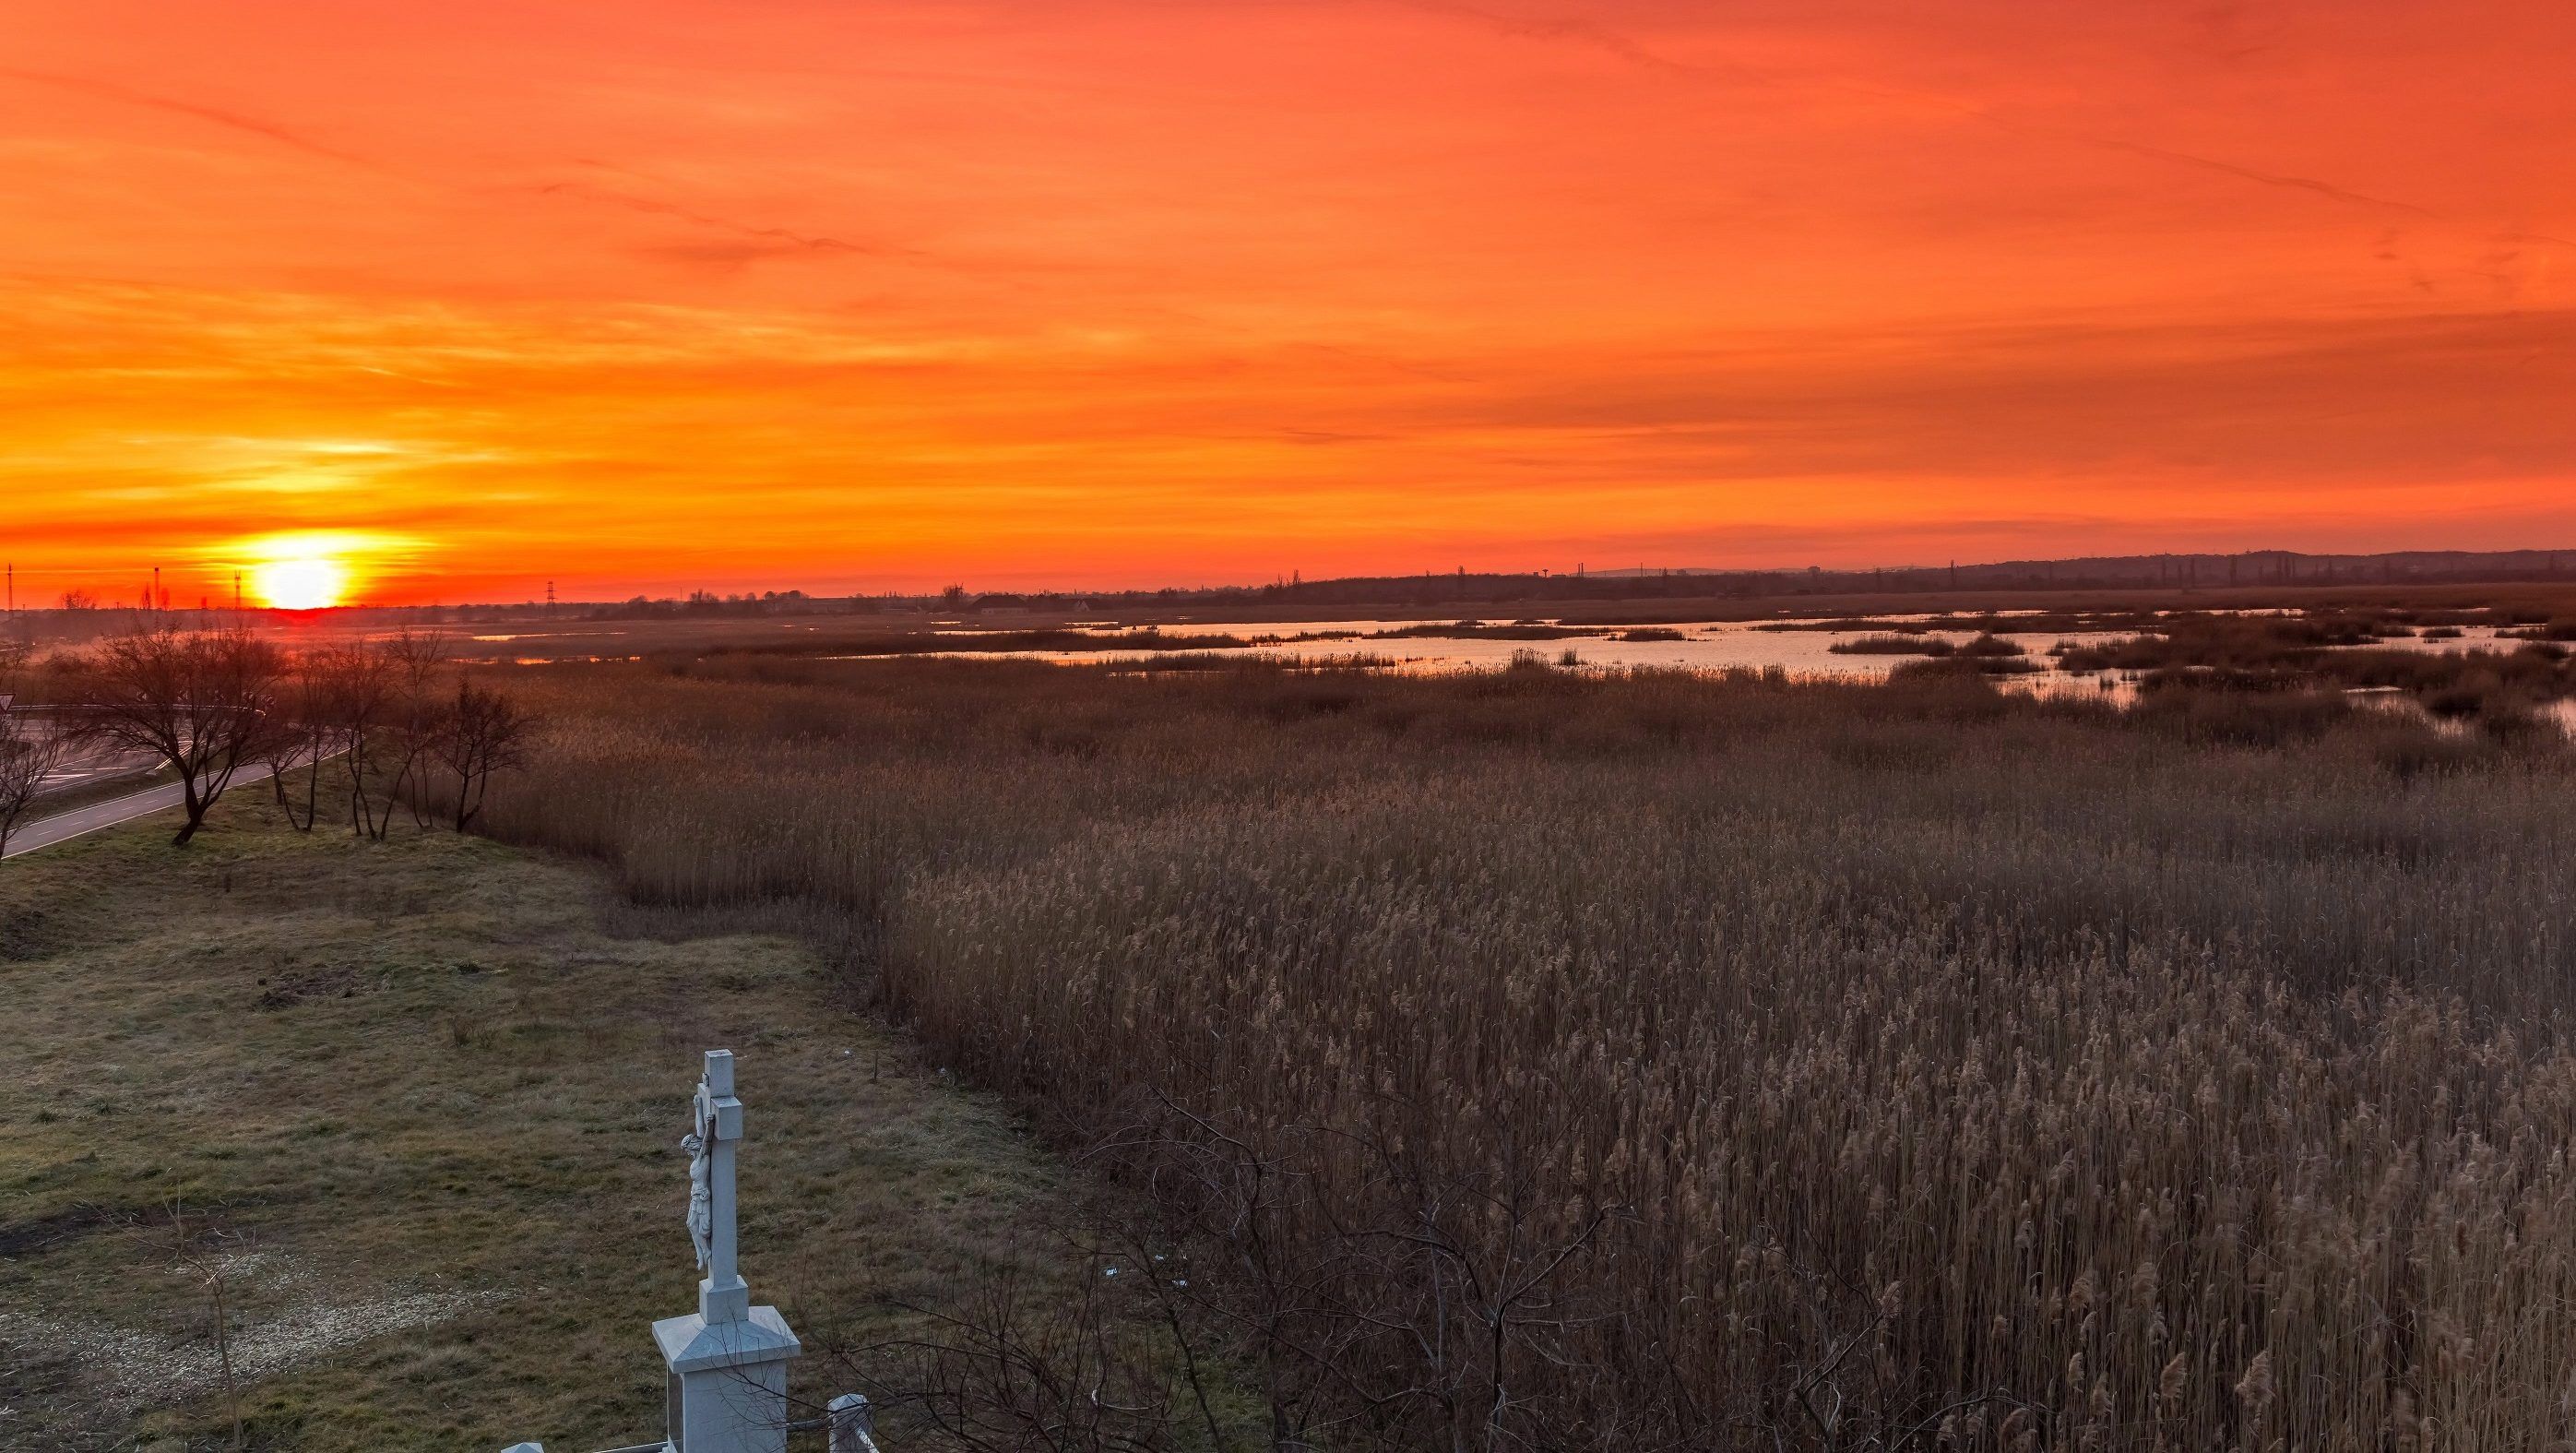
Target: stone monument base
pixel 728 1387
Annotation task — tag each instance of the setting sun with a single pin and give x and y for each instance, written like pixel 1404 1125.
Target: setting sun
pixel 309 569
pixel 310 583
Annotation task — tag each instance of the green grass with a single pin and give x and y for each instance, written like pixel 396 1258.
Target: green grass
pixel 430 1092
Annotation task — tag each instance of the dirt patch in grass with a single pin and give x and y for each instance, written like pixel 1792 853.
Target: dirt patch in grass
pixel 26 1238
pixel 421 1104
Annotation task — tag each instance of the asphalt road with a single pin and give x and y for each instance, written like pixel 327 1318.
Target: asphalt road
pixel 44 832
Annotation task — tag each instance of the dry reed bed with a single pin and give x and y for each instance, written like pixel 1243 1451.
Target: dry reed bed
pixel 1823 1066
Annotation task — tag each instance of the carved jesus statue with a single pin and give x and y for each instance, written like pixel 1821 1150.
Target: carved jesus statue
pixel 702 1218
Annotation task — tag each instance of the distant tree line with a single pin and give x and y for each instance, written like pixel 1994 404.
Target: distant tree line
pixel 2170 571
pixel 81 616
pixel 2207 570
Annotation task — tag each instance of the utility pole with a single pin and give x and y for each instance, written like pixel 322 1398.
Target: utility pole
pixel 550 600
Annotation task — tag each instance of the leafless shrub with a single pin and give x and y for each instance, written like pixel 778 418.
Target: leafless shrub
pixel 206 1252
pixel 481 732
pixel 1008 1371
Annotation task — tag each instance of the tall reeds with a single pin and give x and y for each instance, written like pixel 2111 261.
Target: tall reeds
pixel 1580 1060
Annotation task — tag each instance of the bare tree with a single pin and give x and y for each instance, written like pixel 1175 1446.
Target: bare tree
pixel 485 732
pixel 201 701
pixel 418 721
pixel 29 753
pixel 206 1251
pixel 381 714
pixel 295 749
pixel 354 701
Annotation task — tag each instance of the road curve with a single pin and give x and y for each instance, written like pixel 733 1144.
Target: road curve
pixel 44 832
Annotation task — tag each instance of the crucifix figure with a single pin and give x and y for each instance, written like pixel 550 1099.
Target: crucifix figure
pixel 728 1359
pixel 702 1222
pixel 716 1134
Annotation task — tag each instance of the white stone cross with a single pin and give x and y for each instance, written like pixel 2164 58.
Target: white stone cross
pixel 723 1296
pixel 728 1361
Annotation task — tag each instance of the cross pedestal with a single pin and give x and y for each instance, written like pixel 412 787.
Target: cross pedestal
pixel 728 1389
pixel 728 1359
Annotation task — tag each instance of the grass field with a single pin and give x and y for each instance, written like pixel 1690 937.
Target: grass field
pixel 418 1103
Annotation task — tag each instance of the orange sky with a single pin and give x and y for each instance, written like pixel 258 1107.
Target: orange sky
pixel 826 293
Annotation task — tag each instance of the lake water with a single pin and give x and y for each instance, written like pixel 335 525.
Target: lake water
pixel 1704 646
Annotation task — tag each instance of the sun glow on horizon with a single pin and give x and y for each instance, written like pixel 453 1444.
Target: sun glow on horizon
pixel 307 583
pixel 309 569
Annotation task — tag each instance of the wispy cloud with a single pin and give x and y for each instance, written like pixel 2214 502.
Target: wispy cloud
pixel 212 115
pixel 777 239
pixel 1593 35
